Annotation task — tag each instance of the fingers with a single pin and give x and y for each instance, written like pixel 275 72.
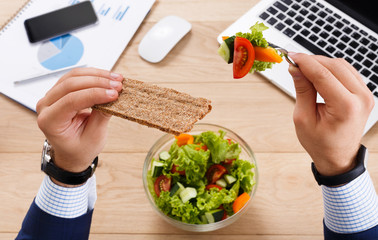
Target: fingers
pixel 95 72
pixel 67 107
pixel 79 83
pixel 79 79
pixel 305 107
pixel 328 86
pixel 344 72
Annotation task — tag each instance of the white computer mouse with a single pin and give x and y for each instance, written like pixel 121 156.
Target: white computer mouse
pixel 162 37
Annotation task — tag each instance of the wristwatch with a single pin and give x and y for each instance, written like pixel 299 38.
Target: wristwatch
pixel 344 177
pixel 61 175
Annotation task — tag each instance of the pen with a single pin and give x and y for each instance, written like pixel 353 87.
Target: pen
pixel 38 75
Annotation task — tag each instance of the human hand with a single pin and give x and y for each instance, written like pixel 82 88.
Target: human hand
pixel 76 133
pixel 330 132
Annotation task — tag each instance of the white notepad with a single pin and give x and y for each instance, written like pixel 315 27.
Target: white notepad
pixel 99 45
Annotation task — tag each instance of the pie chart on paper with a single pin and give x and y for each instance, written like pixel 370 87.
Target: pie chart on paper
pixel 60 52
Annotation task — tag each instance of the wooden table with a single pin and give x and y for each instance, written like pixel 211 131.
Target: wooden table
pixel 288 202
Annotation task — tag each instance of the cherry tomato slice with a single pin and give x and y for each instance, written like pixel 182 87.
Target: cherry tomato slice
pixel 244 56
pixel 215 172
pixel 208 187
pixel 162 183
pixel 174 170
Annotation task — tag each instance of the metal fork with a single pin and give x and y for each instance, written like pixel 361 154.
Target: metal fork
pixel 284 53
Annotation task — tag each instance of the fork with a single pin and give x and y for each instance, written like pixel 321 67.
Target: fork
pixel 284 53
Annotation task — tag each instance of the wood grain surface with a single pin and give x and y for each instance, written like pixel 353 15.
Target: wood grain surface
pixel 288 202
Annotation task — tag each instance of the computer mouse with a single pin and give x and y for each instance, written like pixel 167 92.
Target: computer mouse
pixel 162 37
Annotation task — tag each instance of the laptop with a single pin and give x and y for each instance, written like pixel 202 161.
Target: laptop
pixel 335 28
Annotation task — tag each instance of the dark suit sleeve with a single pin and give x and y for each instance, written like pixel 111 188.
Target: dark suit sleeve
pixel 41 225
pixel 370 234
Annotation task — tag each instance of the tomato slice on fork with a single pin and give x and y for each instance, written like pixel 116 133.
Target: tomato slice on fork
pixel 244 56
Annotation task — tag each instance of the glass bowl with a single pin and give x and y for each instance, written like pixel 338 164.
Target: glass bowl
pixel 164 143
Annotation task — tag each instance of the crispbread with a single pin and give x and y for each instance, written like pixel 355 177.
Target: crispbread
pixel 158 107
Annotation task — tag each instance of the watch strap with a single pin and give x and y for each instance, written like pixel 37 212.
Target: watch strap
pixel 70 178
pixel 344 177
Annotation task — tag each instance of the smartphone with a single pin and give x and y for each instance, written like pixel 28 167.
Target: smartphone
pixel 60 22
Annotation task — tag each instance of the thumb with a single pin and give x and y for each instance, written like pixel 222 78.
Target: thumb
pixel 305 105
pixel 96 127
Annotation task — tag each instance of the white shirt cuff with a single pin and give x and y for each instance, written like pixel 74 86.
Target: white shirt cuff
pixel 66 202
pixel 352 207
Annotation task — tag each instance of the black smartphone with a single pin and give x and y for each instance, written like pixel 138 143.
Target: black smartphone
pixel 59 22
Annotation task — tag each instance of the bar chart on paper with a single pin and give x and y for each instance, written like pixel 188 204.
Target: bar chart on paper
pixel 111 9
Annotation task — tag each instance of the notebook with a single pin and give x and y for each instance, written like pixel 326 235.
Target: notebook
pixel 335 28
pixel 98 45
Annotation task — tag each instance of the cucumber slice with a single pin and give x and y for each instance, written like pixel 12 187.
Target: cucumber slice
pixel 230 43
pixel 176 189
pixel 214 216
pixel 187 194
pixel 157 168
pixel 222 183
pixel 164 156
pixel 209 217
pixel 226 49
pixel 204 219
pixel 229 179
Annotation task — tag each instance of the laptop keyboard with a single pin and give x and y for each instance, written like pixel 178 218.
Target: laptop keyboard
pixel 325 32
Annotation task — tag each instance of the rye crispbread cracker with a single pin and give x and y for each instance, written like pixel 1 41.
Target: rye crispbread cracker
pixel 158 107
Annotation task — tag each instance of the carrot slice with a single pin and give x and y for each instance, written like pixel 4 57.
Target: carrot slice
pixel 267 54
pixel 224 37
pixel 184 139
pixel 240 202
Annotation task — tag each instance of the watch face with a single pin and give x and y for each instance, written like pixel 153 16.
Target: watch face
pixel 45 155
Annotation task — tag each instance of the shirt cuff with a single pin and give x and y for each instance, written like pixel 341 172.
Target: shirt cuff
pixel 351 208
pixel 66 202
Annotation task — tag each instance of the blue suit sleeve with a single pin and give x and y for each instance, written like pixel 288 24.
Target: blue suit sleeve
pixel 41 225
pixel 370 234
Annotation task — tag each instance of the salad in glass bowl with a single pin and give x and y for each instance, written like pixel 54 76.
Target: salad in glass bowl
pixel 202 180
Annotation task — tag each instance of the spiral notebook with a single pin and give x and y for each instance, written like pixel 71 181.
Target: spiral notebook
pixel 99 46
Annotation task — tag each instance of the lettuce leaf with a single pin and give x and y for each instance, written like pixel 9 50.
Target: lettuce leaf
pixel 259 66
pixel 228 206
pixel 175 208
pixel 214 198
pixel 255 36
pixel 219 147
pixel 193 161
pixel 242 170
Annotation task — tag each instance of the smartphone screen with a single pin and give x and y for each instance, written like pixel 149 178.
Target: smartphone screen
pixel 59 22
